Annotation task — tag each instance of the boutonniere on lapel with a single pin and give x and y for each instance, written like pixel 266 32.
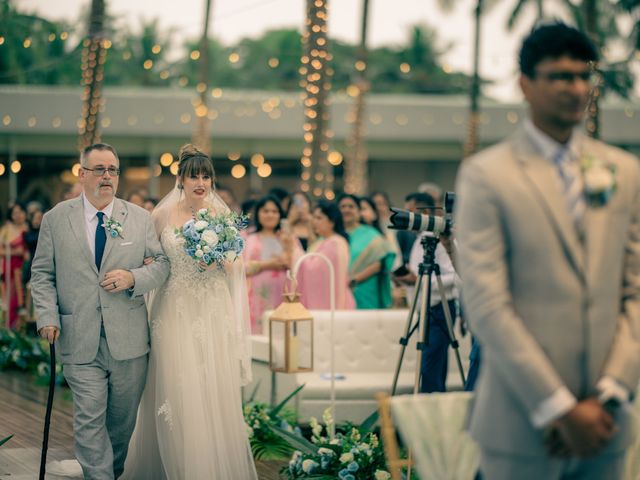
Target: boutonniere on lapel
pixel 599 180
pixel 113 227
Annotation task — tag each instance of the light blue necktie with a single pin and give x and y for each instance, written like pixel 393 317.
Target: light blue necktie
pixel 101 239
pixel 572 186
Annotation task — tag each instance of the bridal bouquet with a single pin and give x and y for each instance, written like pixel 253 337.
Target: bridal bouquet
pixel 210 239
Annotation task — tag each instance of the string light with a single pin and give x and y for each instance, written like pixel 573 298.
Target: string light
pixel 94 53
pixel 16 166
pixel 405 67
pixel 75 169
pixel 238 171
pixel 173 169
pixel 166 159
pixel 257 159
pixel 2 169
pixel 264 170
pixel 233 156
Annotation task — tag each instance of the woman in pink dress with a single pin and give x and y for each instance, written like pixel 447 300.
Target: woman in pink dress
pixel 313 276
pixel 269 252
pixel 13 252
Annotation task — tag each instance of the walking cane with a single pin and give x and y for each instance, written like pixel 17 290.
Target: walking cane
pixel 47 417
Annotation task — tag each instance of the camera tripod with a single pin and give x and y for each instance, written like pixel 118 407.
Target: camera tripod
pixel 427 268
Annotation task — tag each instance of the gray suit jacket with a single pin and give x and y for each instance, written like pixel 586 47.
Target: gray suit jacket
pixel 548 309
pixel 66 283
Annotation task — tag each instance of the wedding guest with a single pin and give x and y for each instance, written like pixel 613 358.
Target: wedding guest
pixel 31 241
pixel 299 216
pixel 136 197
pixel 371 258
pixel 13 252
pixel 283 197
pixel 72 191
pixel 149 204
pixel 369 213
pixel 313 276
pixel 269 252
pixel 228 197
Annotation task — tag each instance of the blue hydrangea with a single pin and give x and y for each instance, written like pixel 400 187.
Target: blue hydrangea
pixel 353 467
pixel 344 474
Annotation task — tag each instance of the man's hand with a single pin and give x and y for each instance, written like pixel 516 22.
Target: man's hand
pixel 118 280
pixel 585 430
pixel 49 333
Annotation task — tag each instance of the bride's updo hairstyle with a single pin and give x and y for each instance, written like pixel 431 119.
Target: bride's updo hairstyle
pixel 192 161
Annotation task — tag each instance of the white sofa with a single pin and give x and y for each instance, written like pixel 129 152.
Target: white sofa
pixel 366 354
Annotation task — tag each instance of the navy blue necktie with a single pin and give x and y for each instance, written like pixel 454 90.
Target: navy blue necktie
pixel 101 239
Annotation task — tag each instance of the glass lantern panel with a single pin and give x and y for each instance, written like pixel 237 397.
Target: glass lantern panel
pixel 303 333
pixel 277 344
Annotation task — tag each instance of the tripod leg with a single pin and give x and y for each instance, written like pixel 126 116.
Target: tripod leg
pixel 408 332
pixel 449 322
pixel 423 336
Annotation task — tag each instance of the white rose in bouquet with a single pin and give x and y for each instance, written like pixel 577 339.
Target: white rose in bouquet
pixel 201 225
pixel 210 238
pixel 230 255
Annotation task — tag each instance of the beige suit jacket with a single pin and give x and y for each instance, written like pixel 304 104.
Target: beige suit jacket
pixel 549 309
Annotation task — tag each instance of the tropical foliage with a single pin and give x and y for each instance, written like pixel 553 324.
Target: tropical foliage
pixel 28 354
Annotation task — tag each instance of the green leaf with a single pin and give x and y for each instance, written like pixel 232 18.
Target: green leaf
pixel 297 442
pixel 276 410
pixel 369 422
pixel 5 440
pixel 274 449
pixel 252 397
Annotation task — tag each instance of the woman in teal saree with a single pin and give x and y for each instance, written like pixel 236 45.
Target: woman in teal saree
pixel 371 258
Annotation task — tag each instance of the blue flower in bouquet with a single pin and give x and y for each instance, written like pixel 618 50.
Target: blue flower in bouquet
pixel 344 474
pixel 210 239
pixel 353 467
pixel 113 227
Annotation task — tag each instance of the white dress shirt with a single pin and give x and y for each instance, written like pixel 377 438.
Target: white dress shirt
pixel 447 272
pixel 91 221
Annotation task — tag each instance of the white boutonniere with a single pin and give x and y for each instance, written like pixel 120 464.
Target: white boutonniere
pixel 599 180
pixel 113 228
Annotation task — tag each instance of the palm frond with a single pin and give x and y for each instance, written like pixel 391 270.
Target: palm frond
pixel 369 422
pixel 5 440
pixel 515 14
pixel 297 442
pixel 276 449
pixel 276 410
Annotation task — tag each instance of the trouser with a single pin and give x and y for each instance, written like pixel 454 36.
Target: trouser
pixel 436 353
pixel 106 393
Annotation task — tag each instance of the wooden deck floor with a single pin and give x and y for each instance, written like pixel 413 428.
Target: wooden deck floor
pixel 22 409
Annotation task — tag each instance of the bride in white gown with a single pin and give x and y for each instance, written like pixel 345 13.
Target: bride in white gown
pixel 190 423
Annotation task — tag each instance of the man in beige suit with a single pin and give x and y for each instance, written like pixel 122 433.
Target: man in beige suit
pixel 549 253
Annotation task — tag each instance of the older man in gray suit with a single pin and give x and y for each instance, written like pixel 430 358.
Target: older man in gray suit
pixel 88 279
pixel 549 252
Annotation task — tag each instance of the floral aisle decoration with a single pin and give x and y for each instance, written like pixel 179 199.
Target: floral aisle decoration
pixel 26 353
pixel 355 453
pixel 210 239
pixel 260 418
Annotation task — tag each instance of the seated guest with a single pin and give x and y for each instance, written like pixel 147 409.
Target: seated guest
pixel 268 254
pixel 299 216
pixel 371 258
pixel 313 276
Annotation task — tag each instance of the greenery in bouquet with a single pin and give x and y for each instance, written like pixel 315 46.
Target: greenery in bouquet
pixel 260 417
pixel 355 453
pixel 26 353
pixel 210 239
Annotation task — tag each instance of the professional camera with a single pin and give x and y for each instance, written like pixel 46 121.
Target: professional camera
pixel 405 220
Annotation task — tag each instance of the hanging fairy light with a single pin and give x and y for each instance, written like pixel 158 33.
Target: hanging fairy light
pixel 316 82
pixel 593 111
pixel 355 168
pixel 94 54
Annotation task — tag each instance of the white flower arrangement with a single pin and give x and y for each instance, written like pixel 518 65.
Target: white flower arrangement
pixel 599 180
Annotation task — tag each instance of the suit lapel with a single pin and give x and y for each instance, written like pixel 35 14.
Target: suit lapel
pixel 78 227
pixel 119 214
pixel 541 177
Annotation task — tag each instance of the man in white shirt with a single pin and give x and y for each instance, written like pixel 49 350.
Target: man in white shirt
pixel 548 231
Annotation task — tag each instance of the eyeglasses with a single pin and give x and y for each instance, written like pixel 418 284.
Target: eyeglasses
pixel 100 171
pixel 568 78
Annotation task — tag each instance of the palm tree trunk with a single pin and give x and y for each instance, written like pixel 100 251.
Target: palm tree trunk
pixel 471 144
pixel 93 57
pixel 539 4
pixel 590 15
pixel 200 136
pixel 316 170
pixel 356 169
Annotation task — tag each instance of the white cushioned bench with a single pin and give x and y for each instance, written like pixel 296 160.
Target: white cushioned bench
pixel 366 355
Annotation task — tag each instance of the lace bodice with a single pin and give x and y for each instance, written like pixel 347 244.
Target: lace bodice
pixel 184 269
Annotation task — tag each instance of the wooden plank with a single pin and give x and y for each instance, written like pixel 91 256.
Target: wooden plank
pixel 22 410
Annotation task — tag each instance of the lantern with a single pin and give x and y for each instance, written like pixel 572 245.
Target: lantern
pixel 291 337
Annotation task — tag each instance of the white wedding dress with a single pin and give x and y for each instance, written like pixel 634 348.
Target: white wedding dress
pixel 190 422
